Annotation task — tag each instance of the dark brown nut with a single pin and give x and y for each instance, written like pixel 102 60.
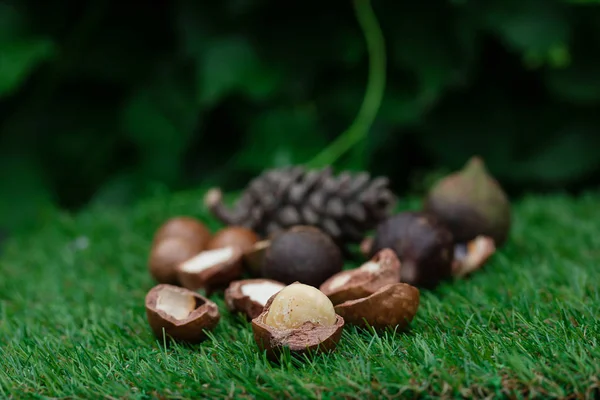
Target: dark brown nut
pixel 211 269
pixel 184 227
pixel 302 254
pixel 471 203
pixel 300 318
pixel 472 256
pixel 183 314
pixel 166 254
pixel 233 236
pixel 175 241
pixel 424 246
pixel 392 306
pixel 249 296
pixel 383 269
pixel 254 259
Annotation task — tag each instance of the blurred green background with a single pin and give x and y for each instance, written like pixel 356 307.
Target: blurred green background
pixel 104 102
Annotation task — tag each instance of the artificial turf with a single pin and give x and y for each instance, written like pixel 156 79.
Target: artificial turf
pixel 72 320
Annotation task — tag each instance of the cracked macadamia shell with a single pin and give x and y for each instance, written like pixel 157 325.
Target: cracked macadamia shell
pixel 393 305
pixel 250 296
pixel 211 269
pixel 307 338
pixel 472 256
pixel 383 269
pixel 183 314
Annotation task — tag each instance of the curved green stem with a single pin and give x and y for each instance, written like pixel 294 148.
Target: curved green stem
pixel 374 93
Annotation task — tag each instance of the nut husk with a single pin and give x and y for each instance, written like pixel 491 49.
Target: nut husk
pixel 424 246
pixel 309 338
pixel 250 304
pixel 392 305
pixel 237 236
pixel 302 254
pixel 383 269
pixel 183 314
pixel 471 203
pixel 211 269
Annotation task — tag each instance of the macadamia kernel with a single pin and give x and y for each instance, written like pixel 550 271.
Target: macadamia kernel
pixel 297 304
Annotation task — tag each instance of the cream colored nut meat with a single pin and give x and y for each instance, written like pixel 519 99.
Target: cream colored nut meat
pixel 297 304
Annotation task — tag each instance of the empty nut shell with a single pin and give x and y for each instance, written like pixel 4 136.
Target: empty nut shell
pixel 392 305
pixel 183 314
pixel 383 269
pixel 472 256
pixel 211 269
pixel 249 296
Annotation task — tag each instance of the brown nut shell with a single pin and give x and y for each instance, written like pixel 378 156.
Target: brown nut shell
pixel 383 269
pixel 472 256
pixel 166 254
pixel 392 305
pixel 254 258
pixel 309 338
pixel 187 228
pixel 238 236
pixel 183 314
pixel 250 296
pixel 211 269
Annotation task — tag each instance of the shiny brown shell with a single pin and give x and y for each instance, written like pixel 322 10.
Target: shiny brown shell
pixel 393 305
pixel 204 317
pixel 237 301
pixel 213 278
pixel 363 281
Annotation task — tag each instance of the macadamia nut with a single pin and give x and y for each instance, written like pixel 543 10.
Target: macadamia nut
pixel 297 304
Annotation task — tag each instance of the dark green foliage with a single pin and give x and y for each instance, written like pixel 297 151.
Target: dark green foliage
pixel 72 320
pixel 106 101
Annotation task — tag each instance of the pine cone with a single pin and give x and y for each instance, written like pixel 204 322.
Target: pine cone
pixel 344 206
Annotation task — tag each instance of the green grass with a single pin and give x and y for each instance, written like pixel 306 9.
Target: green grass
pixel 72 320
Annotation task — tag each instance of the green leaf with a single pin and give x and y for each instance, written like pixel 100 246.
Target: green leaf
pixel 18 58
pixel 281 137
pixel 570 155
pixel 535 25
pixel 160 120
pixel 578 83
pixel 228 64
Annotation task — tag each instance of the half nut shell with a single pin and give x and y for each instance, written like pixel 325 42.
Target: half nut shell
pixel 250 296
pixel 383 269
pixel 392 305
pixel 472 256
pixel 183 314
pixel 211 269
pixel 308 338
